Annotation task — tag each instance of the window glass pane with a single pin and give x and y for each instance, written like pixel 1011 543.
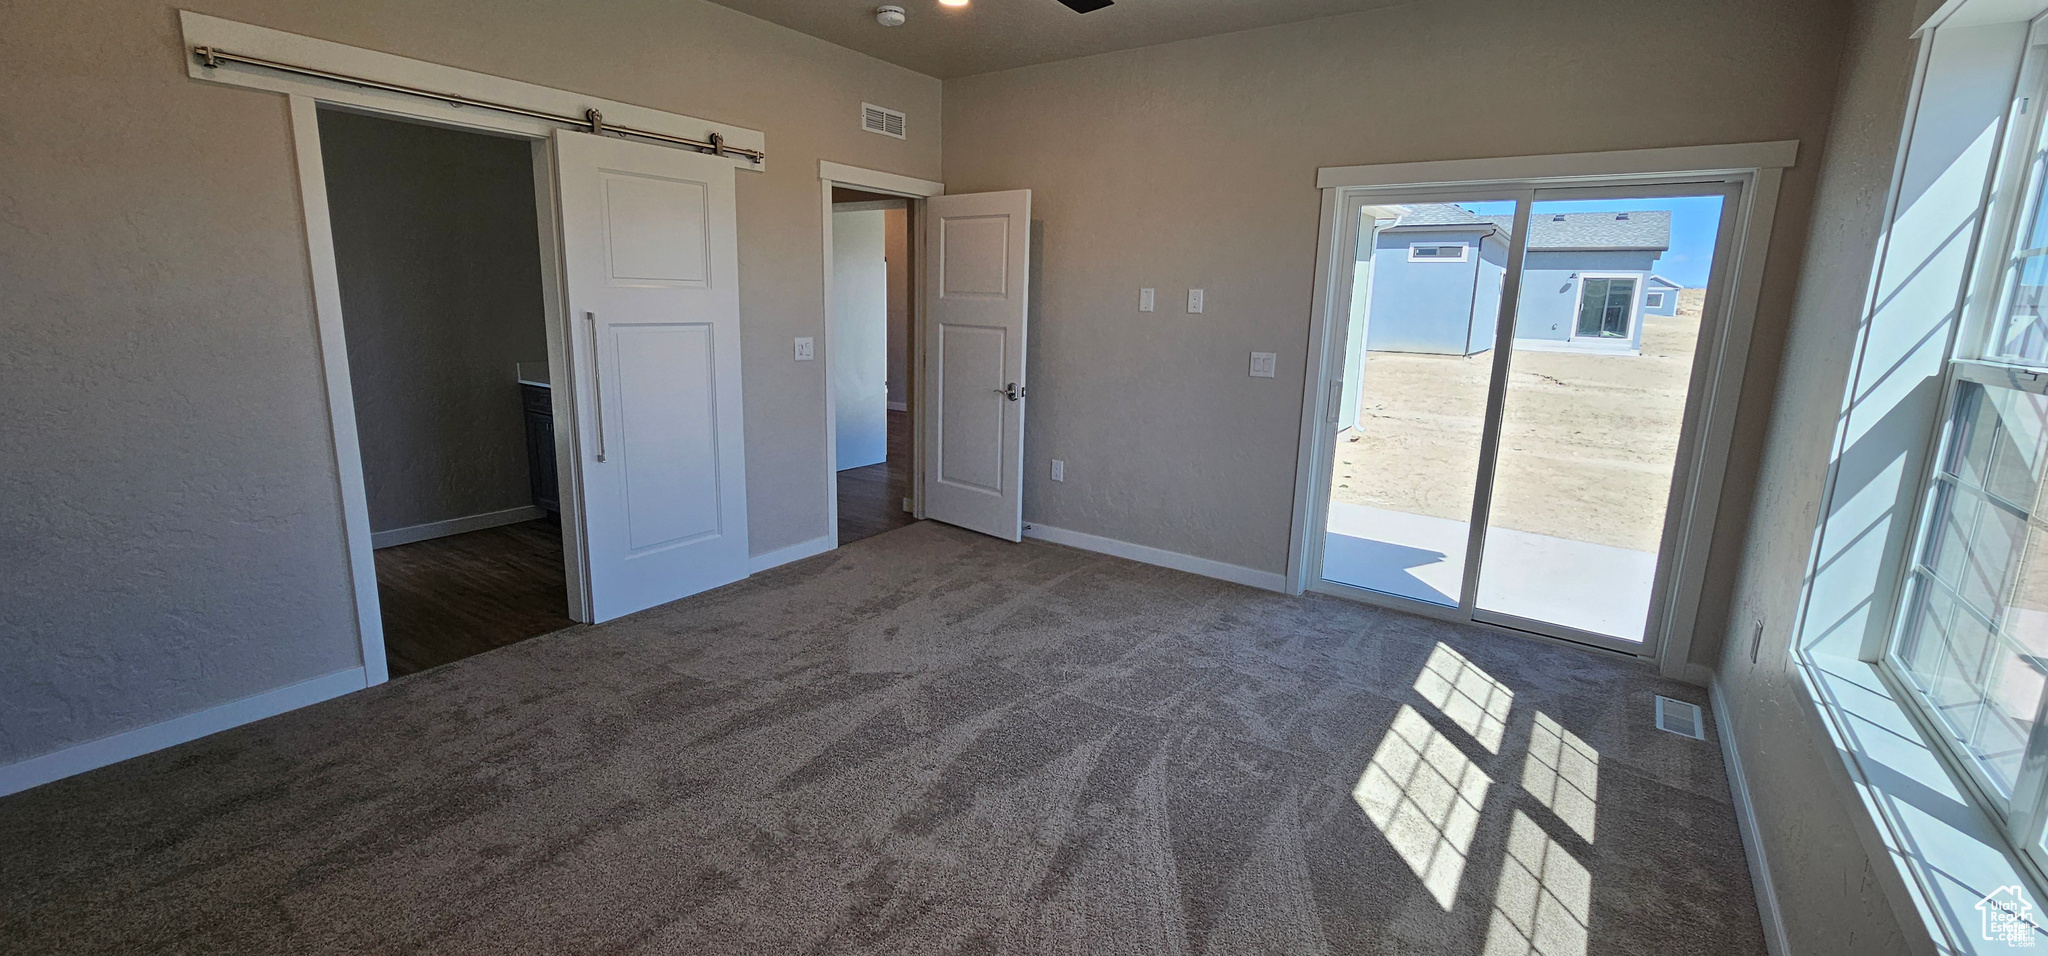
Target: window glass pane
pixel 2018 332
pixel 1973 638
pixel 1596 395
pixel 1592 305
pixel 1410 415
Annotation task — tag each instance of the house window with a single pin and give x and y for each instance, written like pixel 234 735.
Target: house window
pixel 1973 635
pixel 1653 300
pixel 1437 252
pixel 1969 639
pixel 1606 307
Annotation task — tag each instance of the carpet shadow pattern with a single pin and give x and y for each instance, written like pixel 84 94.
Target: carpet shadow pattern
pixel 926 742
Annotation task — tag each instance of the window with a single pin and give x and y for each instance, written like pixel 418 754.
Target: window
pixel 1973 636
pixel 2019 335
pixel 1653 300
pixel 1970 638
pixel 1437 252
pixel 1606 307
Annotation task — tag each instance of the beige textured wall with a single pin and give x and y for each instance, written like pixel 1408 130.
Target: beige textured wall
pixel 1829 893
pixel 896 245
pixel 1193 165
pixel 438 250
pixel 172 533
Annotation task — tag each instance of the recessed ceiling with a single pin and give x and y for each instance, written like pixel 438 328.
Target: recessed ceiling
pixel 989 35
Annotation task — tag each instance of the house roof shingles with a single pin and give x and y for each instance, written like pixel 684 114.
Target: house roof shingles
pixel 1644 229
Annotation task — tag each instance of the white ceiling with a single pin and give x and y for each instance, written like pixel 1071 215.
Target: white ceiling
pixel 989 35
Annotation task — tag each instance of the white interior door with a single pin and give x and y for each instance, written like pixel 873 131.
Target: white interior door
pixel 650 242
pixel 979 250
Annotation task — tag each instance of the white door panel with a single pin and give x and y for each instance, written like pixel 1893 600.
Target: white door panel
pixel 668 434
pixel 650 239
pixel 975 315
pixel 971 429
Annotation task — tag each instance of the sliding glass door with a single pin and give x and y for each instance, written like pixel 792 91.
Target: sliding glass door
pixel 1425 295
pixel 1510 430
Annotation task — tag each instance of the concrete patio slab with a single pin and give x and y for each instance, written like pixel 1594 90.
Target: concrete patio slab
pixel 1591 587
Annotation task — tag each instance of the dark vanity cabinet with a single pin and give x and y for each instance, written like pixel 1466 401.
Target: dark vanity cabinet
pixel 540 446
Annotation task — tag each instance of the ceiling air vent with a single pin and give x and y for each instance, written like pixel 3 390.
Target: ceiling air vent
pixel 878 119
pixel 1680 718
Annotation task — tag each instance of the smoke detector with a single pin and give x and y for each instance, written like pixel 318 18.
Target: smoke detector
pixel 889 16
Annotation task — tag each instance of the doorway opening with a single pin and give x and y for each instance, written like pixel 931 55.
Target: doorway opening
pixel 870 350
pixel 438 251
pixel 1516 381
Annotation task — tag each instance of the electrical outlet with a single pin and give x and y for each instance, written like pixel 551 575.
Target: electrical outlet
pixel 1146 299
pixel 1194 301
pixel 1059 470
pixel 1262 364
pixel 803 348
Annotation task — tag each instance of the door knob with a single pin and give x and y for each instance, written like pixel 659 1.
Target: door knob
pixel 1011 392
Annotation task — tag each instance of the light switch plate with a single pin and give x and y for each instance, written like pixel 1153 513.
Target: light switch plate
pixel 1146 297
pixel 1194 301
pixel 1262 364
pixel 803 348
pixel 1059 470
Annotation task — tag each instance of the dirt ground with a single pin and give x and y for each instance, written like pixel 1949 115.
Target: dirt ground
pixel 1588 441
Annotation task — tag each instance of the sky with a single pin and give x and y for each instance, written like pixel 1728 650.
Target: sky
pixel 1694 222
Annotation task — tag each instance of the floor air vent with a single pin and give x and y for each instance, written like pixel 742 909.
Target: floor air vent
pixel 1680 718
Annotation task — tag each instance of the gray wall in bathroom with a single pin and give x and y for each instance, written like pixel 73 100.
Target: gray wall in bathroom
pixel 438 249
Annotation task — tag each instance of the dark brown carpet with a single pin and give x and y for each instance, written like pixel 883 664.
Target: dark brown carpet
pixel 449 598
pixel 927 742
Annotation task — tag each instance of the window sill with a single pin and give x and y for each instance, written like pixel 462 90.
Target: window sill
pixel 1941 853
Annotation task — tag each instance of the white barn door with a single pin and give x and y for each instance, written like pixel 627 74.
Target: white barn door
pixel 978 247
pixel 650 240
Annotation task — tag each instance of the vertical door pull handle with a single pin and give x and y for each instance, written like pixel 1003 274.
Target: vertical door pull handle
pixel 596 382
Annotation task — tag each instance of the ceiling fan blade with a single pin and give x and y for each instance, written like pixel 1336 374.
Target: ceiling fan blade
pixel 1086 6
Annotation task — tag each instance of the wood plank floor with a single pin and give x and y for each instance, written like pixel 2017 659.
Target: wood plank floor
pixel 871 497
pixel 448 598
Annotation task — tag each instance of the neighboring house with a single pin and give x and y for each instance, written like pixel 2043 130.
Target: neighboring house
pixel 1436 276
pixel 1437 270
pixel 1660 296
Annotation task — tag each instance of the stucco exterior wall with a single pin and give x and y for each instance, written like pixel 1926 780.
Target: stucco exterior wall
pixel 1551 289
pixel 1422 306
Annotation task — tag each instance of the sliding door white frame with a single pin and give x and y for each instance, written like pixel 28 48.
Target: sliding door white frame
pixel 1753 171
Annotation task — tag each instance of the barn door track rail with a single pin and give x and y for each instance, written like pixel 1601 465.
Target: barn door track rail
pixel 592 120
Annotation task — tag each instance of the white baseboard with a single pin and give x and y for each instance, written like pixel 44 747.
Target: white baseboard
pixel 93 754
pixel 442 529
pixel 795 552
pixel 1237 574
pixel 899 406
pixel 1745 820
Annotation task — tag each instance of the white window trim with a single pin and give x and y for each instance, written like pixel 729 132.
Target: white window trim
pixel 1464 251
pixel 1657 295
